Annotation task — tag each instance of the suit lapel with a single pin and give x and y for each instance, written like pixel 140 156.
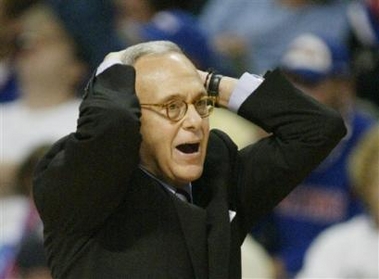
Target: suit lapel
pixel 210 192
pixel 218 236
pixel 212 196
pixel 207 228
pixel 193 222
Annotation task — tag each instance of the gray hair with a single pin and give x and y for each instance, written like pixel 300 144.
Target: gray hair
pixel 131 54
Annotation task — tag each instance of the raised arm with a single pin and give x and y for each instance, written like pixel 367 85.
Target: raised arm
pixel 85 175
pixel 303 132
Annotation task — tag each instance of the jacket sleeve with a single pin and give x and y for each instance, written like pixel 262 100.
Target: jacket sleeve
pixel 85 175
pixel 303 132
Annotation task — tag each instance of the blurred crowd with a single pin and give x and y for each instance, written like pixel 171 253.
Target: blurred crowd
pixel 327 227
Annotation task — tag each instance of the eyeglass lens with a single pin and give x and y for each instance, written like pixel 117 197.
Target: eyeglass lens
pixel 177 109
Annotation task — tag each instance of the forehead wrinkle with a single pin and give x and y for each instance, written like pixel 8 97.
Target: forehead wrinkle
pixel 186 97
pixel 186 88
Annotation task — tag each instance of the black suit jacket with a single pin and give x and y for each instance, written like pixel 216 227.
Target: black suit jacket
pixel 105 218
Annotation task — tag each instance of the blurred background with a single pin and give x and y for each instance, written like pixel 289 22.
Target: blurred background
pixel 327 48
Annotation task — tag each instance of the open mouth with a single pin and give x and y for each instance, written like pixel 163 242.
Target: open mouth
pixel 188 148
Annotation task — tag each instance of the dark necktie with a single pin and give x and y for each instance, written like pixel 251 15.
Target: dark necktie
pixel 183 195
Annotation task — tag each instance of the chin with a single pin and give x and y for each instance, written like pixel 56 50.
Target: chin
pixel 189 173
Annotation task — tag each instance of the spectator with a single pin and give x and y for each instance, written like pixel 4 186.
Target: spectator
pixel 254 34
pixel 89 22
pixel 49 86
pixel 350 249
pixel 320 67
pixel 49 73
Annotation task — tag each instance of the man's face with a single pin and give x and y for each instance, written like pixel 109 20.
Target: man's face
pixel 333 92
pixel 327 92
pixel 46 52
pixel 173 151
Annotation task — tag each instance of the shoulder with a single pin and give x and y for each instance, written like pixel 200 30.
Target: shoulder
pixel 219 141
pixel 221 151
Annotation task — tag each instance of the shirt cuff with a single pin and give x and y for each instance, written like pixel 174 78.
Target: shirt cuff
pixel 106 64
pixel 246 85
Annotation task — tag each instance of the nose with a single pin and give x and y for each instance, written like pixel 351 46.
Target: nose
pixel 192 119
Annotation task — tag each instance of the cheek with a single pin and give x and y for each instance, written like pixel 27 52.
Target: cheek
pixel 205 129
pixel 157 138
pixel 59 59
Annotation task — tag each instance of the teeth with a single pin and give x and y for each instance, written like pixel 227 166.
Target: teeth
pixel 188 147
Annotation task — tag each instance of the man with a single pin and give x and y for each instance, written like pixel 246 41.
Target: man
pixel 106 192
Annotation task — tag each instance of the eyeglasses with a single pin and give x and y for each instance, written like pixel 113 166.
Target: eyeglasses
pixel 177 109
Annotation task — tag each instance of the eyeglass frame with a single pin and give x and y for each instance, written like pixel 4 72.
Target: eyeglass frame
pixel 181 115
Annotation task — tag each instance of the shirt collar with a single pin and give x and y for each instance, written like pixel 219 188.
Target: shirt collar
pixel 187 188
